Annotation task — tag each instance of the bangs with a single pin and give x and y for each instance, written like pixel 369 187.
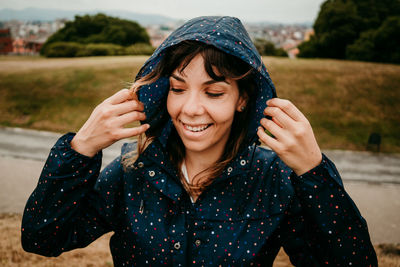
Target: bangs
pixel 217 64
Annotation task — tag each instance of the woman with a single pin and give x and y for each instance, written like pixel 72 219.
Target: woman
pixel 197 189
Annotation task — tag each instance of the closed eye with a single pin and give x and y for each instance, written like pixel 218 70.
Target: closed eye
pixel 176 90
pixel 214 95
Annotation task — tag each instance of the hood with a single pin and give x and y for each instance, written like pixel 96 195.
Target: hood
pixel 225 33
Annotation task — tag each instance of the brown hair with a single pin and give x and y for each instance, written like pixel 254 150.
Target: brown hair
pixel 228 66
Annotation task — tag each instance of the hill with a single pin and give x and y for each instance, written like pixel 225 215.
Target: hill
pixel 43 14
pixel 345 101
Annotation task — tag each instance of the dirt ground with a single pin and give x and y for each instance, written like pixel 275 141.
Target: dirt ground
pixel 98 253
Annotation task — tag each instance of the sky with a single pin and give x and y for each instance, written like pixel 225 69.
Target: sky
pixel 284 11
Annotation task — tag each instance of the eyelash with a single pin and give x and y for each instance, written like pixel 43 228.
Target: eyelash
pixel 212 95
pixel 176 90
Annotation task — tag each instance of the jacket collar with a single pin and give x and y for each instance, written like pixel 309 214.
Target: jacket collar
pixel 163 176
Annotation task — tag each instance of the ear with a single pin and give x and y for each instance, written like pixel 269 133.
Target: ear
pixel 242 102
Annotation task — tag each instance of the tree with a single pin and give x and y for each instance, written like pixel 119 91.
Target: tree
pixel 99 29
pixel 381 45
pixel 340 24
pixel 336 26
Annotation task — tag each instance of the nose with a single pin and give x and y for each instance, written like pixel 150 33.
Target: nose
pixel 193 105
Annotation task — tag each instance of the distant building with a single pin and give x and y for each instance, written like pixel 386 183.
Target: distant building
pixel 27 46
pixel 5 41
pixel 308 34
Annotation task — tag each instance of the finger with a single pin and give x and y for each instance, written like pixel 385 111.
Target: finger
pixel 273 128
pixel 288 107
pixel 130 132
pixel 280 117
pixel 268 140
pixel 120 97
pixel 128 106
pixel 130 117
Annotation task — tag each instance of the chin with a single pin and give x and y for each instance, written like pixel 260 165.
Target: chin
pixel 196 146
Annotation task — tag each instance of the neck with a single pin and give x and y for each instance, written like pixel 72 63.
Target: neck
pixel 197 162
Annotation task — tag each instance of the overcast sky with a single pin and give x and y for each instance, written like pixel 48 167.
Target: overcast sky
pixel 285 11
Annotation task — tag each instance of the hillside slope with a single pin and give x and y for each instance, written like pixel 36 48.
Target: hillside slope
pixel 345 101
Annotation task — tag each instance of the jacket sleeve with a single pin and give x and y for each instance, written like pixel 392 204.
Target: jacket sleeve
pixel 71 205
pixel 324 226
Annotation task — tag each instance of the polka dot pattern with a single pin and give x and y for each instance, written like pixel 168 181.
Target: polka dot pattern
pixel 255 207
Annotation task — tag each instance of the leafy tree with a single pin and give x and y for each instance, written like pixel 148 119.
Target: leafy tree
pixel 340 24
pixel 378 45
pixel 99 29
pixel 336 26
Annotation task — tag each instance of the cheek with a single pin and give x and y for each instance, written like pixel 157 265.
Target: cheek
pixel 222 113
pixel 171 106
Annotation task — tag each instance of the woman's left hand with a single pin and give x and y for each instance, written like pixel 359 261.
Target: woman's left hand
pixel 293 140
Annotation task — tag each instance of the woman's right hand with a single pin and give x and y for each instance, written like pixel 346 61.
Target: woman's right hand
pixel 106 124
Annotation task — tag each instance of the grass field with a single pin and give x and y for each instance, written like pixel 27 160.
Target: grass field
pixel 345 101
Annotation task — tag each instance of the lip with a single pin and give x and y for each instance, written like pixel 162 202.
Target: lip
pixel 195 134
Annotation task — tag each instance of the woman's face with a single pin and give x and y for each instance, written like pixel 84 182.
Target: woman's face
pixel 201 108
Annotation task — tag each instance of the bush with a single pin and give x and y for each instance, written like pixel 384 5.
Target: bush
pixel 70 49
pixel 280 52
pixel 139 49
pixel 101 50
pixel 309 49
pixel 267 48
pixel 63 49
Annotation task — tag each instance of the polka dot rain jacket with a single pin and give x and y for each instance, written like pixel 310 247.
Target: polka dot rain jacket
pixel 255 207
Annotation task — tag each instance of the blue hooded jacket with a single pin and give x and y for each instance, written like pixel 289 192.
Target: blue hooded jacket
pixel 226 34
pixel 255 207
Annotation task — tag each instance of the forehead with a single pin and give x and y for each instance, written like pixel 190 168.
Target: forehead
pixel 187 64
pixel 196 69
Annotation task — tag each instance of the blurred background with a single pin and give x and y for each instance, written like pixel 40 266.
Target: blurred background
pixel 337 60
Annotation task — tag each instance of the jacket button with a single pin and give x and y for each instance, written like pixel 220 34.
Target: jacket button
pixel 230 169
pixel 198 242
pixel 242 162
pixel 152 173
pixel 177 245
pixel 140 164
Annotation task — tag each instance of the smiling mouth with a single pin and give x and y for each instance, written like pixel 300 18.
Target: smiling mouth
pixel 196 129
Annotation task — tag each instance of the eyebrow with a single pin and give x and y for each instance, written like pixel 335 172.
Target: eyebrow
pixel 176 77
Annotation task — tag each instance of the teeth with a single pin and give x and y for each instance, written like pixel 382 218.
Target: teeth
pixel 196 128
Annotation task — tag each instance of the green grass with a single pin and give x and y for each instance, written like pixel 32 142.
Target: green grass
pixel 345 101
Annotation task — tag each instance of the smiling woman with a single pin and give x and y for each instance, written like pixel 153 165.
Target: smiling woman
pixel 202 110
pixel 197 189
